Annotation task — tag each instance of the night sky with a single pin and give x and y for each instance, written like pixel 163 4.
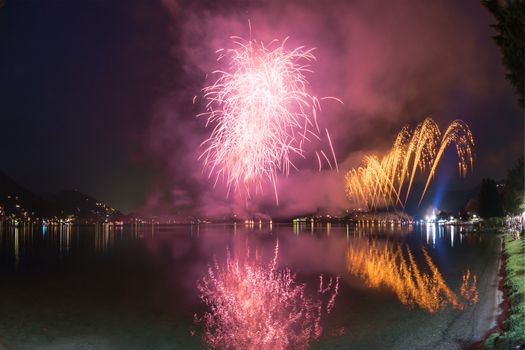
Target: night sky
pixel 97 95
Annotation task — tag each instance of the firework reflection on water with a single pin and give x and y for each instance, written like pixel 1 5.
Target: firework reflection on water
pixel 252 305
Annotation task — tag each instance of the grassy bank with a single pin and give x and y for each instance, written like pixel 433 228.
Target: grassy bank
pixel 513 335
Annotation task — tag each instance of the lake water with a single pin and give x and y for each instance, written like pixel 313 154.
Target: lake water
pixel 134 287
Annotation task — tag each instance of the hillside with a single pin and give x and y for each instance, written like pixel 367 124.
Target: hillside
pixel 19 202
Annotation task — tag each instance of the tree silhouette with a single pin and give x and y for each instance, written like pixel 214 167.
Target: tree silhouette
pixel 489 200
pixel 513 198
pixel 510 38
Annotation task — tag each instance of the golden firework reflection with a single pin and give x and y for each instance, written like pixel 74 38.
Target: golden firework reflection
pixel 388 264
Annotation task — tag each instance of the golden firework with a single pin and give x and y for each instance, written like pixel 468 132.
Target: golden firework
pixel 387 182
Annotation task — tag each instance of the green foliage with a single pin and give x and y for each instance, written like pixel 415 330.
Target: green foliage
pixel 510 28
pixel 514 189
pixel 489 342
pixel 514 334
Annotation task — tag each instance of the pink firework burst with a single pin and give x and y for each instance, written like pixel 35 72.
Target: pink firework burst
pixel 261 113
pixel 256 306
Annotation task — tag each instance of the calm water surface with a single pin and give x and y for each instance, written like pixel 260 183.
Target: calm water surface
pixel 87 287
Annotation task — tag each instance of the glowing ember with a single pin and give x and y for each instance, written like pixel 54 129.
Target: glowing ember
pixel 387 182
pixel 387 265
pixel 261 114
pixel 256 306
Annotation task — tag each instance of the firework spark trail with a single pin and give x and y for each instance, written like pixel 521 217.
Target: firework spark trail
pixel 388 265
pixel 387 182
pixel 257 306
pixel 261 113
pixel 458 133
